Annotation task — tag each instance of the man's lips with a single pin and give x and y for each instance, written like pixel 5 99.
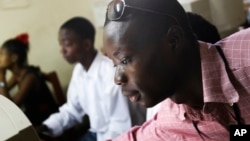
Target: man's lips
pixel 134 96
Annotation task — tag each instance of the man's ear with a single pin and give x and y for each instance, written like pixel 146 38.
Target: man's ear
pixel 14 58
pixel 175 37
pixel 87 43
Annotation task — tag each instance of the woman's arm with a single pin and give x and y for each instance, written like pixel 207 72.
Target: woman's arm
pixel 3 84
pixel 11 83
pixel 26 84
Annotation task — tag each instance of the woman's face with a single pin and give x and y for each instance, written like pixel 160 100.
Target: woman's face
pixel 5 59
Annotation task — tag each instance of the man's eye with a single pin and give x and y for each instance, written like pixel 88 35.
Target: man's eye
pixel 125 61
pixel 67 43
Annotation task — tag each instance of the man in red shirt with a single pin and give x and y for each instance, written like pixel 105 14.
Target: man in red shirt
pixel 204 88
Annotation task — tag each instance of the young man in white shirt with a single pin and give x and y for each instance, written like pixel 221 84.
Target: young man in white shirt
pixel 91 90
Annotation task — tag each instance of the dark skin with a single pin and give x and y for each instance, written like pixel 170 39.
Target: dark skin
pixel 8 61
pixel 152 69
pixel 74 49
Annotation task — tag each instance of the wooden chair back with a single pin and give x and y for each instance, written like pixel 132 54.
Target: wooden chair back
pixel 53 79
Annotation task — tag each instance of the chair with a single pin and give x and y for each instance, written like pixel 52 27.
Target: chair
pixel 53 79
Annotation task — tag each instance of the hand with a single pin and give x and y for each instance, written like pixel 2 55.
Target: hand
pixel 2 70
pixel 2 74
pixel 41 130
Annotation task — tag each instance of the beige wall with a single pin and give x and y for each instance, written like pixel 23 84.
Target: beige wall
pixel 226 15
pixel 41 19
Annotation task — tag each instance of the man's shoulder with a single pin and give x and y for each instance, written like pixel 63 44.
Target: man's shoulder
pixel 105 62
pixel 242 35
pixel 77 69
pixel 78 66
pixel 104 58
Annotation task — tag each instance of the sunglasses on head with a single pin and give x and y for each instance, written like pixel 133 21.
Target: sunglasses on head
pixel 116 10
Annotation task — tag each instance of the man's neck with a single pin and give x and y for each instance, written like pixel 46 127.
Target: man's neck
pixel 87 61
pixel 190 88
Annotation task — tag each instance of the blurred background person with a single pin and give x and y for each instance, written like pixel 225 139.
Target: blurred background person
pixel 33 95
pixel 91 91
pixel 203 29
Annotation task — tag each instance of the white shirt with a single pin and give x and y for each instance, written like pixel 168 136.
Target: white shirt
pixel 94 93
pixel 152 111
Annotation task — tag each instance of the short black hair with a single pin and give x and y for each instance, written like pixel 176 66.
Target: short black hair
pixel 81 26
pixel 169 7
pixel 204 30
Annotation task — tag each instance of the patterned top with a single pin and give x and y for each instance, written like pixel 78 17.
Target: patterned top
pixel 211 123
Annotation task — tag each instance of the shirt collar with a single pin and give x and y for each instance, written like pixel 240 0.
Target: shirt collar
pixel 94 67
pixel 216 84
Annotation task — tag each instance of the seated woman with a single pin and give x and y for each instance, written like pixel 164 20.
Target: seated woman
pixel 33 95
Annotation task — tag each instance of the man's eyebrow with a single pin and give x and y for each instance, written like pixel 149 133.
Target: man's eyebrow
pixel 117 52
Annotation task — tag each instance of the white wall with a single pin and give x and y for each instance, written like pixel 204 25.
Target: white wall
pixel 41 19
pixel 226 15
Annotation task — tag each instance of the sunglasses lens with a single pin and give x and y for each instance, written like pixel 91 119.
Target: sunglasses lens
pixel 115 10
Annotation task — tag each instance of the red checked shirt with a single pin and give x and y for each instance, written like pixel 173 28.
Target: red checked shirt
pixel 177 122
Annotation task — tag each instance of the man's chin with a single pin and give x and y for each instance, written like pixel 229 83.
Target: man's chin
pixel 70 61
pixel 149 104
pixel 144 104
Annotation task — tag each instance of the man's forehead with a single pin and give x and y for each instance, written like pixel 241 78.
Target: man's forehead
pixel 116 28
pixel 115 35
pixel 121 32
pixel 68 34
pixel 66 31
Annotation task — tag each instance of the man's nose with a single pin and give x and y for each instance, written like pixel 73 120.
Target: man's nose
pixel 120 76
